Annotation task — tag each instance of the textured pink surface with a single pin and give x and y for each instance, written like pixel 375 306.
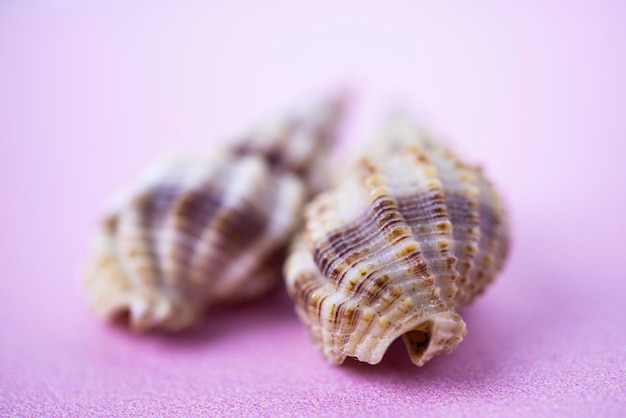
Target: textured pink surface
pixel 89 94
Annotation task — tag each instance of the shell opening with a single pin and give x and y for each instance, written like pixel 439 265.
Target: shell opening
pixel 122 317
pixel 417 341
pixel 440 333
pixel 125 316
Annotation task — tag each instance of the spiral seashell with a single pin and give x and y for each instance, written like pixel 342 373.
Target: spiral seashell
pixel 403 241
pixel 195 232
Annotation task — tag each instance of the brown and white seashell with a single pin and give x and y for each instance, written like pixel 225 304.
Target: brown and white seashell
pixel 396 248
pixel 195 232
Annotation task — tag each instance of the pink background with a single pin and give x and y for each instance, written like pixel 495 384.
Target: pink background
pixel 536 91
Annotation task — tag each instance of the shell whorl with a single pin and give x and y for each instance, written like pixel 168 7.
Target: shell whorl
pixel 194 232
pixel 300 143
pixel 395 248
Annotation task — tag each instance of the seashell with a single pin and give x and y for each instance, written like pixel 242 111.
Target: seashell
pixel 400 243
pixel 195 232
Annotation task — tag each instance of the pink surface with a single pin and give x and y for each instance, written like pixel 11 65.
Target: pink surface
pixel 537 92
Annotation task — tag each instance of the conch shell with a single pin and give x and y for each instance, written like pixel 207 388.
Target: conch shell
pixel 403 241
pixel 195 232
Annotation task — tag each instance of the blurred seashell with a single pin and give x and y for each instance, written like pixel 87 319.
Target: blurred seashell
pixel 195 232
pixel 396 248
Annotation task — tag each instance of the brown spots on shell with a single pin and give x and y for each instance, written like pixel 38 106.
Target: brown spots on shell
pixel 352 257
pixel 387 218
pixel 471 249
pixel 110 224
pixel 463 210
pixel 383 322
pixel 379 192
pixel 423 159
pixel 448 154
pixel 382 204
pixel 396 233
pixel 429 280
pixel 374 180
pixel 468 177
pixel 303 287
pixel 376 289
pixel 443 226
pixel 366 167
pixel 395 292
pixel 368 314
pixel 419 266
pixel 134 251
pixel 423 210
pixel 413 149
pixel 407 249
pixel 433 184
pixel 421 229
pixel 330 254
pixel 332 314
pixel 450 262
pixel 352 283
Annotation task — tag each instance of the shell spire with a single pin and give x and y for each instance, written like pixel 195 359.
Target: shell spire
pixel 301 143
pixel 395 248
pixel 195 232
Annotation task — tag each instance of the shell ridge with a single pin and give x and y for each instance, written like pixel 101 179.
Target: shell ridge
pixel 460 184
pixel 135 236
pixel 190 217
pixel 311 294
pixel 406 160
pixel 168 303
pixel 134 249
pixel 431 216
pixel 209 260
pixel 135 253
pixel 290 196
pixel 172 239
pixel 492 225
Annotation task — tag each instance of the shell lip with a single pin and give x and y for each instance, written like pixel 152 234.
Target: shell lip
pixel 142 314
pixel 424 338
pixel 439 333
